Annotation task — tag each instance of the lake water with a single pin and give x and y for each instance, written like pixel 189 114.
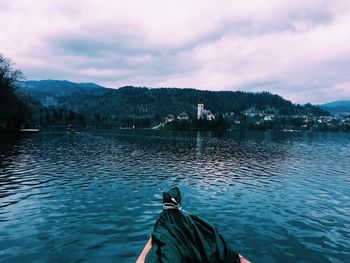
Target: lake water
pixel 94 196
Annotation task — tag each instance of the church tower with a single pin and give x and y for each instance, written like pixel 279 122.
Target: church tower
pixel 200 109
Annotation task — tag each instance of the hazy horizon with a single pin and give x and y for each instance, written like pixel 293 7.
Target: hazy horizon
pixel 300 51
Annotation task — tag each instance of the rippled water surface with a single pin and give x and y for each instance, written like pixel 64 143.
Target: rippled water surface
pixel 94 196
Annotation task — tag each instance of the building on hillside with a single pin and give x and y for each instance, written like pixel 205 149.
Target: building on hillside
pixel 200 109
pixel 210 116
pixel 268 118
pixel 203 113
pixel 169 118
pixel 182 116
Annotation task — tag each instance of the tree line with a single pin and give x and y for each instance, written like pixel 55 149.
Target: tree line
pixel 144 107
pixel 129 106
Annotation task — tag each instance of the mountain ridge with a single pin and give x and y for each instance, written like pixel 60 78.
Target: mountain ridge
pixel 47 91
pixel 125 104
pixel 337 107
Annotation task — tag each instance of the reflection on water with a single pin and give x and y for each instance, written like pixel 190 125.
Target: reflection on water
pixel 94 196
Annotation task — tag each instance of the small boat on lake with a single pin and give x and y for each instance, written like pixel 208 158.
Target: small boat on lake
pixel 29 130
pixel 70 128
pixel 26 127
pixel 179 236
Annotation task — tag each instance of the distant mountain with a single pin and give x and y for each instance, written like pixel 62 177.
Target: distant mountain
pixel 48 91
pixel 61 87
pixel 337 107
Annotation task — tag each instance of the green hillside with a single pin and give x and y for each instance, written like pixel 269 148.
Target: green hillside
pixel 120 107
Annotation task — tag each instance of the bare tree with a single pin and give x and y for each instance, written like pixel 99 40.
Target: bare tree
pixel 12 109
pixel 9 75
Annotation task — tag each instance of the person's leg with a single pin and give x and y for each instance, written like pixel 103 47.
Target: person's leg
pixel 243 260
pixel 144 252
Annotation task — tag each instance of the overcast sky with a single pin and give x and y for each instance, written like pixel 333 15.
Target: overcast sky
pixel 298 49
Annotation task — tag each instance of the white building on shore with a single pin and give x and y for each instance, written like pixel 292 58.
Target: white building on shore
pixel 203 113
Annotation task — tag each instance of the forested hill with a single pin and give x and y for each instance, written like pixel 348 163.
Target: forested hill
pixel 337 107
pixel 48 91
pixel 114 105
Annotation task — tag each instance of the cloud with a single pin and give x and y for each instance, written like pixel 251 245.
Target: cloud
pixel 300 50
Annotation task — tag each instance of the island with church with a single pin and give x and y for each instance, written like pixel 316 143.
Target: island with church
pixel 204 120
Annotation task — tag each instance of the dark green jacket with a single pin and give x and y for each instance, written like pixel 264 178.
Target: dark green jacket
pixel 181 237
